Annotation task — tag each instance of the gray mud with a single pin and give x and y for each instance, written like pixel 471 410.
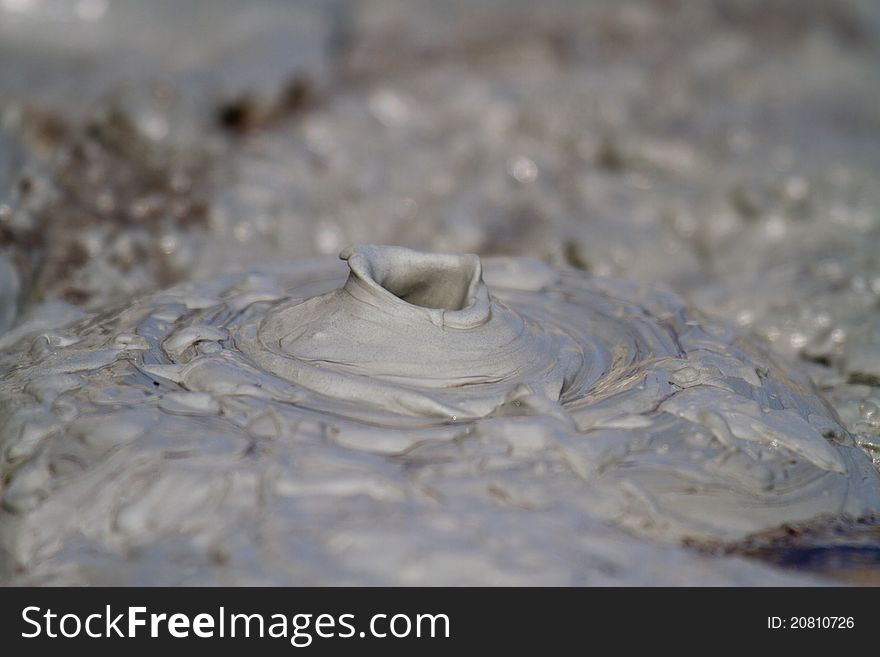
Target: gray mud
pixel 728 151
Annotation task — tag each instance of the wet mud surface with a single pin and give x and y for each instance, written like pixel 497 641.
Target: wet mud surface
pixel 716 161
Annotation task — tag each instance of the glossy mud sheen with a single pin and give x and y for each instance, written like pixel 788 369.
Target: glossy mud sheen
pixel 310 424
pixel 725 149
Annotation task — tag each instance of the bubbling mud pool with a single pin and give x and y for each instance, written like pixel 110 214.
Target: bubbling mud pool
pixel 409 418
pixel 727 149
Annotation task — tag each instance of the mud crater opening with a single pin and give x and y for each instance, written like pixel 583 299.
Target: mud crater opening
pixel 444 282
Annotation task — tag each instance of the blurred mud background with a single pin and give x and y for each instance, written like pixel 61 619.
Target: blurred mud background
pixel 729 150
